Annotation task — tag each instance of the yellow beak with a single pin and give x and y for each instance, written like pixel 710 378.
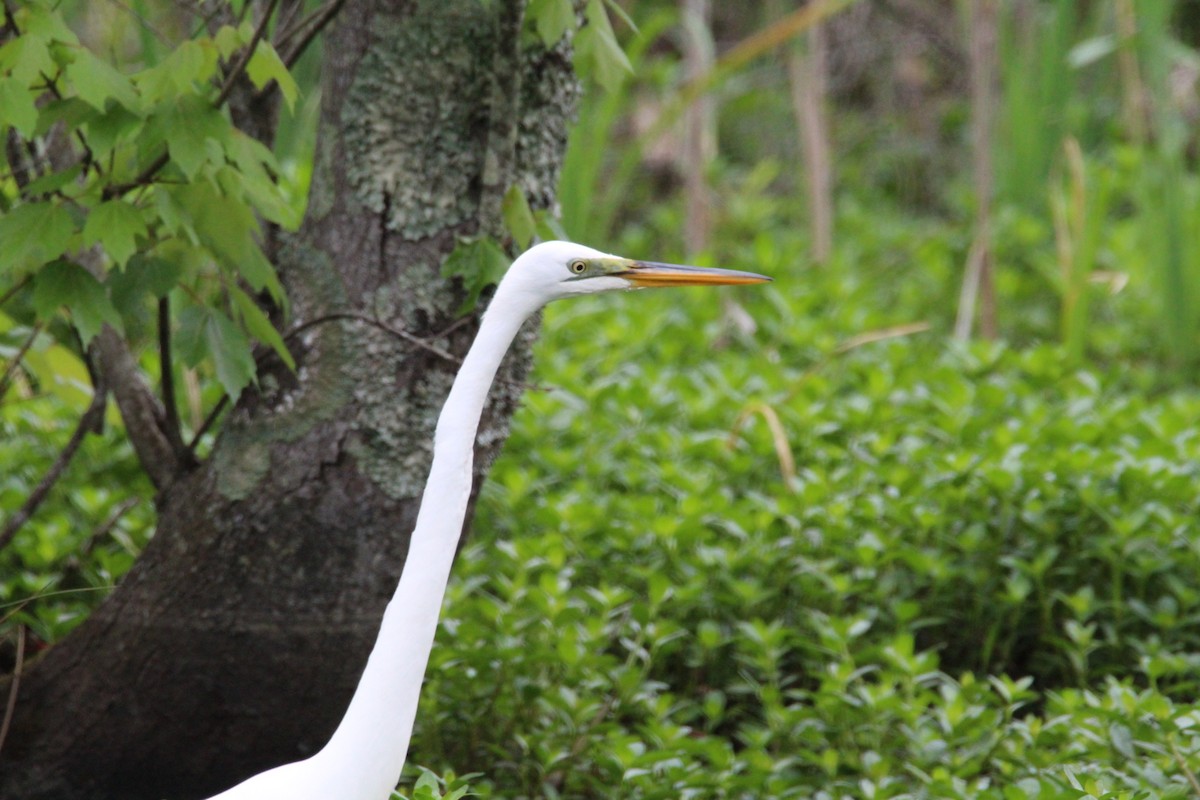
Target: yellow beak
pixel 651 273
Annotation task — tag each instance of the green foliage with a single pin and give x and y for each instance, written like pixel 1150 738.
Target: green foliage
pixel 599 57
pixel 980 584
pixel 434 787
pixel 478 263
pixel 150 165
pixel 87 538
pixel 63 283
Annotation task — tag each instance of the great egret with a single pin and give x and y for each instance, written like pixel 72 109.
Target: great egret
pixel 365 755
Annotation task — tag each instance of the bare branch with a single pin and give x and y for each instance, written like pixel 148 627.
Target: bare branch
pixel 89 158
pixel 208 422
pixel 6 378
pixel 145 420
pixel 16 287
pixel 90 421
pixel 244 59
pixel 308 30
pixel 167 375
pixel 378 323
pixel 121 510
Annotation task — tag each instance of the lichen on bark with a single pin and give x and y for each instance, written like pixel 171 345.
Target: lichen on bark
pixel 412 118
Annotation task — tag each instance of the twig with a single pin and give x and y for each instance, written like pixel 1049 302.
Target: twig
pixel 42 594
pixel 10 22
pixel 89 158
pixel 89 421
pixel 404 335
pixel 121 510
pixel 145 420
pixel 311 26
pixel 16 287
pixel 240 67
pixel 166 372
pixel 142 178
pixel 208 421
pixel 11 706
pixel 383 326
pixel 16 360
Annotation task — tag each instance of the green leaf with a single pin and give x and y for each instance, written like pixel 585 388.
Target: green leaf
pixel 615 7
pixel 193 63
pixel 116 225
pixel 252 182
pixel 70 111
pixel 227 226
pixel 518 217
pixel 230 351
pixel 63 283
pixel 116 126
pixel 143 277
pixel 598 52
pixel 17 107
pixel 553 18
pixel 259 325
pixel 189 342
pixel 34 233
pixel 25 58
pixel 260 273
pixel 266 66
pixel 53 182
pixel 189 123
pixel 44 22
pixel 478 263
pixel 1122 739
pixel 207 333
pixel 186 70
pixel 228 41
pixel 95 81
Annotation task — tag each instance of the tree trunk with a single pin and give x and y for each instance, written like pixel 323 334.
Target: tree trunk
pixel 235 642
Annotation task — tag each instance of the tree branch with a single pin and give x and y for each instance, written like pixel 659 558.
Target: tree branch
pixel 308 29
pixel 110 523
pixel 145 420
pixel 208 421
pixel 6 378
pixel 166 375
pixel 90 421
pixel 244 59
pixel 378 323
pixel 16 287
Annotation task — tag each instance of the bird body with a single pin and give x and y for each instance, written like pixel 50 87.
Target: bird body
pixel 364 757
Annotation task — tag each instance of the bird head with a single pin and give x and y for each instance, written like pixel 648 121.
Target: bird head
pixel 551 270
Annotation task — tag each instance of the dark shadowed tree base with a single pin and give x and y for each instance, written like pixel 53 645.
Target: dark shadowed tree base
pixel 235 642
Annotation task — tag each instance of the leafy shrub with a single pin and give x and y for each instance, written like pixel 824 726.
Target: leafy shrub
pixel 980 582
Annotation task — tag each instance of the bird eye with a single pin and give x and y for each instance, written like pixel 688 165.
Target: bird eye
pixel 578 267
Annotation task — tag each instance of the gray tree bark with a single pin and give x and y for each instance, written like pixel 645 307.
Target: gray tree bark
pixel 235 642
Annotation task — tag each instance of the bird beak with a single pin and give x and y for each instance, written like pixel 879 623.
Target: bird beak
pixel 651 273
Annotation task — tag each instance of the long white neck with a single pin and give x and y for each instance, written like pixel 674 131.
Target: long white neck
pixel 374 734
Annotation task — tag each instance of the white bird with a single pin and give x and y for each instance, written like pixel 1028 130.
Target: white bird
pixel 364 757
